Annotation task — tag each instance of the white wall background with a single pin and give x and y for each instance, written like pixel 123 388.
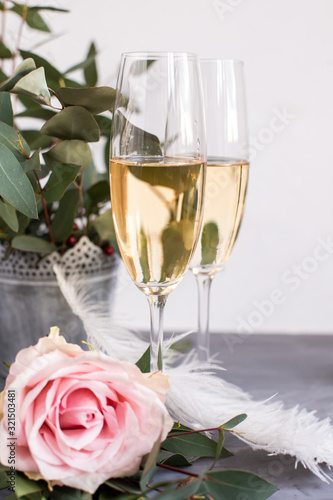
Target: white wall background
pixel 287 46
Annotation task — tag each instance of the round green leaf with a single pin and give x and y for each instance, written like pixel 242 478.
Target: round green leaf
pixel 15 187
pixel 34 86
pixel 94 99
pixel 5 53
pixel 9 215
pixel 22 69
pixel 74 152
pixel 74 122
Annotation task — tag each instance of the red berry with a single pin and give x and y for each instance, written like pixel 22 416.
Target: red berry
pixel 75 227
pixel 71 240
pixel 108 249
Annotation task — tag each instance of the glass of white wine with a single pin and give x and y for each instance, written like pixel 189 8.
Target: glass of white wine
pixel 227 177
pixel 157 174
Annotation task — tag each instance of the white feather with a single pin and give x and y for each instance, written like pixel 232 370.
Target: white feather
pixel 200 398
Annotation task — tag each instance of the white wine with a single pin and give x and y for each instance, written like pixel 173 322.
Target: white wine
pixel 225 194
pixel 157 208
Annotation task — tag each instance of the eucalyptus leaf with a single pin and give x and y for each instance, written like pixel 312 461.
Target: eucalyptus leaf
pixel 150 464
pixel 183 493
pixel 81 65
pixel 37 112
pixel 103 224
pixel 74 122
pixel 12 139
pixel 234 421
pixel 32 163
pixel 45 7
pixel 5 53
pixel 104 124
pixel 31 17
pixel 90 70
pixel 219 447
pixel 36 140
pixel 135 140
pixel 15 187
pixel 123 485
pixel 68 493
pixel 73 152
pixel 23 485
pixel 50 71
pixel 176 460
pixel 29 243
pixel 22 69
pixel 209 243
pixel 8 214
pixel 99 192
pixel 144 362
pixel 62 224
pixel 191 445
pixel 3 480
pixel 61 177
pixel 6 110
pixel 33 85
pixel 234 484
pixel 94 99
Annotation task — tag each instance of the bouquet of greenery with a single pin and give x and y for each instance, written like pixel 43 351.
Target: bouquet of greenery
pixel 50 190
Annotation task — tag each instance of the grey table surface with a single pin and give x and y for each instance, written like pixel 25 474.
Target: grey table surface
pixel 299 369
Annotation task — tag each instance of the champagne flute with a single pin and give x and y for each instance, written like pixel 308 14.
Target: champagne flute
pixel 157 174
pixel 227 177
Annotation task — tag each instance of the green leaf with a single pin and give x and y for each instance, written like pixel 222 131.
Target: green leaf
pixel 50 71
pixel 191 445
pixel 232 484
pixel 5 53
pixel 73 152
pixel 182 493
pixel 23 485
pixel 11 138
pixel 6 110
pixel 22 69
pixel 234 421
pixel 176 460
pixel 37 112
pixel 15 187
pixel 90 71
pixel 104 226
pixel 3 480
pixel 62 176
pixel 124 485
pixel 33 85
pixel 33 163
pixel 36 140
pixel 104 124
pixel 33 244
pixel 94 99
pixel 8 214
pixel 31 16
pixel 209 242
pixel 55 9
pixel 150 464
pixel 81 65
pixel 67 493
pixel 74 122
pixel 134 139
pixel 219 447
pixel 99 192
pixel 144 362
pixel 62 224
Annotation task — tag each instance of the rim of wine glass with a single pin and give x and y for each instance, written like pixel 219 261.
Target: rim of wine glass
pixel 159 54
pixel 218 59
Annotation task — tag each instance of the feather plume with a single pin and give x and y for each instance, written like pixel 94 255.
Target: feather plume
pixel 198 395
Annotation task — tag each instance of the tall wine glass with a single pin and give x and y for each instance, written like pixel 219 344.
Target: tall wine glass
pixel 227 177
pixel 157 174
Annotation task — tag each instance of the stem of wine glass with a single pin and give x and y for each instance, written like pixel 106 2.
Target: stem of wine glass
pixel 156 306
pixel 204 282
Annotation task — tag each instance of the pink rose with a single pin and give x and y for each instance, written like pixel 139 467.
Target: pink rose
pixel 81 418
